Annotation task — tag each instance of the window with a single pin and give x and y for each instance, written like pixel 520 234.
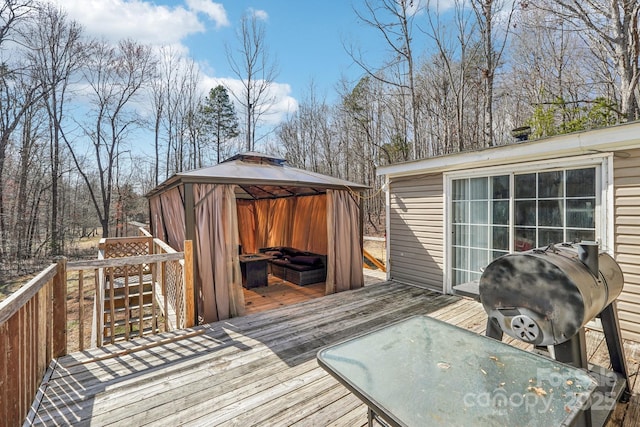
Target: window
pixel 497 214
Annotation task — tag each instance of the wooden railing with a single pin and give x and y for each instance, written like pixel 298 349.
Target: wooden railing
pixel 32 333
pixel 39 322
pixel 179 304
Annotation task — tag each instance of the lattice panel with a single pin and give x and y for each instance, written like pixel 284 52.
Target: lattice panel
pixel 121 249
pixel 174 290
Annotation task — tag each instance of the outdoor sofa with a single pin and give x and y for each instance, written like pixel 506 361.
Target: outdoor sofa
pixel 296 266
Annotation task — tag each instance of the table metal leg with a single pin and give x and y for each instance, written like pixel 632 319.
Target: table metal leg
pixel 372 416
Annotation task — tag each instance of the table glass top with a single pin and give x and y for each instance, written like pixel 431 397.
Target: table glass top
pixel 426 372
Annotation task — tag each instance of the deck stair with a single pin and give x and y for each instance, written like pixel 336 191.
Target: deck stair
pixel 127 316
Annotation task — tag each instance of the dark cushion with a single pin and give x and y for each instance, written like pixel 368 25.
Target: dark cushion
pixel 272 248
pixel 276 254
pixel 291 251
pixel 281 262
pixel 306 260
pixel 302 267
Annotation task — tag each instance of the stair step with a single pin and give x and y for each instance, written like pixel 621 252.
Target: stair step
pixel 123 322
pixel 120 312
pixel 133 301
pixel 117 310
pixel 122 337
pixel 133 290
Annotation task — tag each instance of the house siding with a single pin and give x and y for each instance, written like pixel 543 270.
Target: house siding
pixel 416 222
pixel 627 238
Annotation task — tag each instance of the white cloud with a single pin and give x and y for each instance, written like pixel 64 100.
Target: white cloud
pixel 215 11
pixel 259 14
pixel 141 20
pixel 157 25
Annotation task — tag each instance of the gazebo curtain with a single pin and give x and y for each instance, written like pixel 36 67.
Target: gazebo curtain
pixel 220 282
pixel 167 214
pixel 344 266
pixel 157 223
pixel 298 222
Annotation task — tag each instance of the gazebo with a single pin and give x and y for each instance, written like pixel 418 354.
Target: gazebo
pixel 252 201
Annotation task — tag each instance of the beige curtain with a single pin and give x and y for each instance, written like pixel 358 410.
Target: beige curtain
pixel 344 266
pixel 300 222
pixel 276 216
pixel 157 224
pixel 309 224
pixel 247 225
pixel 173 217
pixel 219 278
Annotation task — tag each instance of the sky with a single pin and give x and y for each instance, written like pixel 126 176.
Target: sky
pixel 306 38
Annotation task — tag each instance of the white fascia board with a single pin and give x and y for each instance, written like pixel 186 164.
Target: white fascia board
pixel 615 138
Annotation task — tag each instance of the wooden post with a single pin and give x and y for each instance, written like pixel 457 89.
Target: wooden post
pixel 59 320
pixel 81 309
pixel 190 312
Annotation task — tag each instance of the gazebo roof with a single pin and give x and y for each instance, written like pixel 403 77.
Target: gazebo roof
pixel 260 176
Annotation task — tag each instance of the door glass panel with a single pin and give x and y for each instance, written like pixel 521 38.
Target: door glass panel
pixel 500 212
pixel 478 189
pixel 500 238
pixel 525 186
pixel 479 236
pixel 460 189
pixel 550 184
pixel 525 239
pixel 580 235
pixel 460 276
pixel 479 258
pixel 525 212
pixel 479 212
pixel 548 236
pixel 460 212
pixel 500 187
pixel 460 259
pixel 581 213
pixel 581 183
pixel 461 235
pixel 550 213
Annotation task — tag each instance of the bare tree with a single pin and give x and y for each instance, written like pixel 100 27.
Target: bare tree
pixel 394 21
pixel 612 24
pixel 18 92
pixel 116 76
pixel 56 52
pixel 252 64
pixel 551 67
pixel 31 181
pixel 175 97
pixel 457 52
pixel 12 12
pixel 159 105
pixel 487 13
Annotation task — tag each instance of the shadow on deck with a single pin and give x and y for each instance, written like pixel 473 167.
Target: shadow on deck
pixel 258 369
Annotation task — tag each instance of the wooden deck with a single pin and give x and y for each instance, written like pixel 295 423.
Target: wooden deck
pixel 259 369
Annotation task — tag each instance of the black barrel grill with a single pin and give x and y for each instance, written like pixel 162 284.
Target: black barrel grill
pixel 546 297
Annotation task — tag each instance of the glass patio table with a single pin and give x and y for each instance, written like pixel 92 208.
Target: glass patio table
pixel 423 372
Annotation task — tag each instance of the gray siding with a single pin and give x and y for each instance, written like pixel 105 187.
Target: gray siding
pixel 416 218
pixel 627 239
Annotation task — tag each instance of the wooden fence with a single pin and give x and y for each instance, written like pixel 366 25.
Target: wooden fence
pixel 34 321
pixel 32 333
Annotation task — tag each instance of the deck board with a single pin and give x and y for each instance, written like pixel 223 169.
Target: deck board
pixel 259 369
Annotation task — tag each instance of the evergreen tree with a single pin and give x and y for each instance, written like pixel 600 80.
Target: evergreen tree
pixel 220 123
